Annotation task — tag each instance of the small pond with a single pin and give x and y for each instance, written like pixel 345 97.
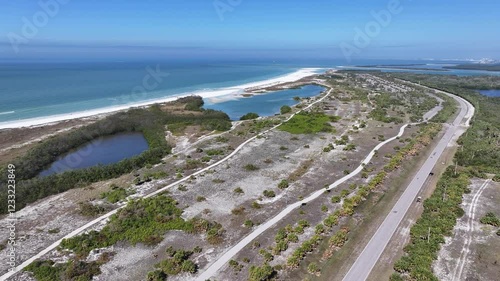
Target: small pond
pixel 490 93
pixel 101 151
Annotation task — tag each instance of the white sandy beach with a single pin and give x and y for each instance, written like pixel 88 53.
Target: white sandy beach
pixel 230 91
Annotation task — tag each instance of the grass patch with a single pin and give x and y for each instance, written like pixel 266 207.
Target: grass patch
pixel 308 123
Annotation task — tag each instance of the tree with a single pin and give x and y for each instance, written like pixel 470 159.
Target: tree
pixel 261 273
pixel 285 109
pixel 249 116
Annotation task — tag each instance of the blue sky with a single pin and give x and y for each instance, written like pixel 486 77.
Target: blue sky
pixel 292 28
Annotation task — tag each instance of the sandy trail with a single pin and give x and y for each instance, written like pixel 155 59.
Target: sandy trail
pixel 457 272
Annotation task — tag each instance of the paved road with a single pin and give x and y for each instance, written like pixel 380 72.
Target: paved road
pixel 364 264
pixel 159 191
pixel 221 261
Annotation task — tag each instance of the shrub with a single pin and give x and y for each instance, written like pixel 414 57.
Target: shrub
pixel 491 219
pixel 269 193
pixel 335 199
pixel 396 277
pixel 214 152
pixel 248 223
pixel 249 116
pixel 344 193
pixel 496 178
pixel 331 220
pixel 238 190
pixel 292 237
pixel 339 238
pixel 256 205
pixel 350 147
pixel 88 209
pixel 263 273
pixel 200 199
pixel 54 230
pixel 283 184
pixel 238 211
pixel 115 195
pixel 266 255
pixel 157 275
pixel 303 223
pixel 285 109
pixel 329 148
pixel 313 268
pixel 250 167
pixel 46 270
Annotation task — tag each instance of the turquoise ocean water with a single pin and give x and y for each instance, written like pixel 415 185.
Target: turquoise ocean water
pixel 33 90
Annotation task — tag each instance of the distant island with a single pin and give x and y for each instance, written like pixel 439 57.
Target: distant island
pixel 487 67
pixel 403 67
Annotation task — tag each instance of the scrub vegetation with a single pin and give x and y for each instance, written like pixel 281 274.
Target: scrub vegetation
pixel 478 155
pixel 309 123
pixel 142 221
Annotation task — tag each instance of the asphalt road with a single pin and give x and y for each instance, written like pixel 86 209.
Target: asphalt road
pixel 229 254
pixel 364 264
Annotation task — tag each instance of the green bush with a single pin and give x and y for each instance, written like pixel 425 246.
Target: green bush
pixel 307 123
pixel 46 270
pixel 262 273
pixel 214 152
pixel 116 194
pixel 177 262
pixel 283 184
pixel 249 116
pixel 250 167
pixel 285 109
pixel 491 219
pixel 269 193
pixel 336 199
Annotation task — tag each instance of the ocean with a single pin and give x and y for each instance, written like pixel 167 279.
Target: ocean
pixel 36 90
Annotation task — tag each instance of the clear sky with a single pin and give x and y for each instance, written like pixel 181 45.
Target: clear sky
pixel 271 28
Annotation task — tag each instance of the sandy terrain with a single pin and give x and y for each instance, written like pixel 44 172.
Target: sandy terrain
pixel 472 253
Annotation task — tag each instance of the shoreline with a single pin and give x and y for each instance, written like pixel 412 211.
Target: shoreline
pixel 228 91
